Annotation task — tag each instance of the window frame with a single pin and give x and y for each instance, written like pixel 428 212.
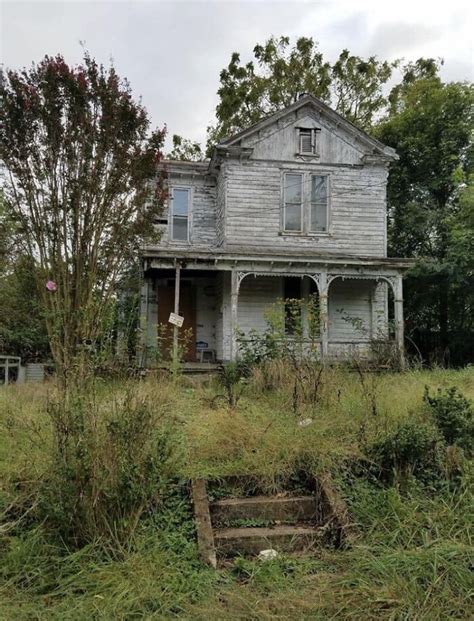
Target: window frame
pixel 306 204
pixel 314 132
pixel 171 216
pixel 302 224
pixel 310 203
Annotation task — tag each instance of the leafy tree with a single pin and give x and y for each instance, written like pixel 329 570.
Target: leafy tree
pixel 430 126
pixel 185 150
pixel 81 186
pixel 357 87
pixel 22 325
pixel 280 73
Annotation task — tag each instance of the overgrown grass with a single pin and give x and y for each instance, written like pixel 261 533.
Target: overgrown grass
pixel 411 560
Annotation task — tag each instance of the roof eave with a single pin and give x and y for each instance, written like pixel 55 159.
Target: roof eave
pixel 376 144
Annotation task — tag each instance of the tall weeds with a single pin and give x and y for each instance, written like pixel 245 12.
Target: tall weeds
pixel 109 464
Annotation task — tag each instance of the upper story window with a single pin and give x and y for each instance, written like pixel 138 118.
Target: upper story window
pixel 306 203
pixel 179 214
pixel 319 204
pixel 293 191
pixel 308 141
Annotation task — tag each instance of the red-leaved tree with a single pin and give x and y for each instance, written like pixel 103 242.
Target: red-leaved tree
pixel 81 183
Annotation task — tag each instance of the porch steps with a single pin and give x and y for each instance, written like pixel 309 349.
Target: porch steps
pixel 283 538
pixel 276 508
pixel 285 523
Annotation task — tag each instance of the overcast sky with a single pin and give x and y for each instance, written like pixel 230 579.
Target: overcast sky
pixel 172 52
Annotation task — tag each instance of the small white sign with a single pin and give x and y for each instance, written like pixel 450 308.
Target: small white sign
pixel 176 320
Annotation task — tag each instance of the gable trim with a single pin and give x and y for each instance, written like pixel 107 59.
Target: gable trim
pixel 377 147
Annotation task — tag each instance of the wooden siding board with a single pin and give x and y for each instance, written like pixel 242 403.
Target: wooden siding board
pixel 357 213
pixel 350 316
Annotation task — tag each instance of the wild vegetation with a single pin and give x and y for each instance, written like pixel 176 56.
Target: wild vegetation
pixel 95 512
pixel 96 520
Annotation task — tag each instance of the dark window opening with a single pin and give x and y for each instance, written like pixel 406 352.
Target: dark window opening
pixel 292 299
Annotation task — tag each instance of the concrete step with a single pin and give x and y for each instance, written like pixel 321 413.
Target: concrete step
pixel 271 508
pixel 234 541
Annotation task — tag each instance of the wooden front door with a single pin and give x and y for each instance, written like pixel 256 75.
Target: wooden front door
pixel 186 334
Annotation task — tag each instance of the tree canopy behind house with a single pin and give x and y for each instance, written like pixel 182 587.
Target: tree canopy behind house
pixel 280 73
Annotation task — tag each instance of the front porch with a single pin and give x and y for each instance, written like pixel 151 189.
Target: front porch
pixel 225 300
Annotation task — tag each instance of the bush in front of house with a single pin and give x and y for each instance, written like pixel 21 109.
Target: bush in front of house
pixel 412 448
pixel 108 466
pixel 453 415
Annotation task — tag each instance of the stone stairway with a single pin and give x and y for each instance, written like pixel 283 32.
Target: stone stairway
pixel 285 523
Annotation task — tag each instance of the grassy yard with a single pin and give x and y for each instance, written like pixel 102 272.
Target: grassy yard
pixel 412 558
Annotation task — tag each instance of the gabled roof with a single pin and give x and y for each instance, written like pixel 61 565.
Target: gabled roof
pixel 376 147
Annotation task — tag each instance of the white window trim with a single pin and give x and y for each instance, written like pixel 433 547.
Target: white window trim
pixel 301 205
pixel 328 203
pixel 315 134
pixel 305 205
pixel 171 217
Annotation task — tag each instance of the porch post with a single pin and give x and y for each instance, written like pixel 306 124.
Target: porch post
pixel 399 327
pixel 143 327
pixel 176 311
pixel 323 313
pixel 234 298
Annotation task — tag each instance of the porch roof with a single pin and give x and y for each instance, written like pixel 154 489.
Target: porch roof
pixel 241 257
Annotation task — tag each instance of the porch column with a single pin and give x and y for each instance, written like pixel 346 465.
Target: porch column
pixel 143 327
pixel 399 327
pixel 177 283
pixel 234 299
pixel 323 313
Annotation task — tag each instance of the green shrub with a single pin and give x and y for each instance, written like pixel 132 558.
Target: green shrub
pixel 107 467
pixel 412 448
pixel 453 414
pixel 230 378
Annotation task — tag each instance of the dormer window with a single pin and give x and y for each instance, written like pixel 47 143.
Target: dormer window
pixel 307 141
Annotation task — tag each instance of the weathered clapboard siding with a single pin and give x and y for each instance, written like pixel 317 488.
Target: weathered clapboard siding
pixel 357 208
pixel 34 372
pixel 221 189
pixel 203 229
pixel 350 314
pixel 256 297
pixel 280 141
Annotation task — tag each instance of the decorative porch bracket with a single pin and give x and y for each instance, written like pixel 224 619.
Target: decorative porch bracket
pixel 323 281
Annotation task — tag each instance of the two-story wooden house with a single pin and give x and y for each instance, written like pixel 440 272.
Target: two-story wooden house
pixel 293 205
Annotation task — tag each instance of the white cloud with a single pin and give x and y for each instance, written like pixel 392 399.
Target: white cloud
pixel 172 52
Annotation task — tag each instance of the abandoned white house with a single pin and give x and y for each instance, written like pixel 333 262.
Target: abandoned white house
pixel 294 205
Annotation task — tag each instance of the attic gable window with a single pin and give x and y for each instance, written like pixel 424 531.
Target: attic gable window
pixel 308 139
